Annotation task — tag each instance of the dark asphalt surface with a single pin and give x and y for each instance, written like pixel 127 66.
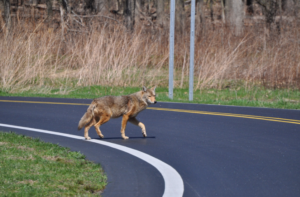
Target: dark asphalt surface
pixel 215 155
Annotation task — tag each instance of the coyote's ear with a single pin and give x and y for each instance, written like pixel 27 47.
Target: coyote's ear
pixel 144 89
pixel 153 89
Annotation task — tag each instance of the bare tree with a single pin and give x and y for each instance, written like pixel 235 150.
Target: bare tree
pixel 129 14
pixel 235 15
pixel 160 13
pixel 1 8
pixel 211 2
pixel 228 7
pixel 297 7
pixel 179 17
pixel 139 10
pixel 200 20
pixel 49 10
pixel 223 11
pixel 270 8
pixel 120 6
pixel 7 16
pixel 65 5
pixel 249 4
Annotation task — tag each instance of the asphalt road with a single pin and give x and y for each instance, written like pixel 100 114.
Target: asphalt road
pixel 217 150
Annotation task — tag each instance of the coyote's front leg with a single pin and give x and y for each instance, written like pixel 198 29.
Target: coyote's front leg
pixel 140 124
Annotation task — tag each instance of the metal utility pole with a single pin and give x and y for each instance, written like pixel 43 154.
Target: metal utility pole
pixel 171 56
pixel 192 48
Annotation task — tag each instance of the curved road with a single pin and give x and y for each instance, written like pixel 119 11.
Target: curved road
pixel 217 150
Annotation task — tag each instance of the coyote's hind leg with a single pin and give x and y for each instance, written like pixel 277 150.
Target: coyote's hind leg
pixel 87 127
pixel 103 119
pixel 140 124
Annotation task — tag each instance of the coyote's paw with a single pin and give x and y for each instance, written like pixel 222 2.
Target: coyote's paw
pixel 125 137
pixel 101 136
pixel 87 138
pixel 144 134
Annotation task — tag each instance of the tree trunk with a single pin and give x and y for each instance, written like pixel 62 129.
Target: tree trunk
pixel 148 6
pixel 228 6
pixel 160 13
pixel 179 17
pixel 129 14
pixel 65 5
pixel 250 9
pixel 62 21
pixel 238 16
pixel 235 15
pixel 211 13
pixel 223 11
pixel 279 23
pixel 7 16
pixel 120 6
pixel 297 7
pixel 138 10
pixel 49 11
pixel 1 11
pixel 270 9
pixel 89 5
pixel 200 20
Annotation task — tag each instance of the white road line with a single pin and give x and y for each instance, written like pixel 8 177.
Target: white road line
pixel 173 182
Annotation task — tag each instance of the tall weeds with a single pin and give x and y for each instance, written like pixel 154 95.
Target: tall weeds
pixel 110 56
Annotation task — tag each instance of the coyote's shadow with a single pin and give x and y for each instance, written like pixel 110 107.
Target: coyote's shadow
pixel 119 138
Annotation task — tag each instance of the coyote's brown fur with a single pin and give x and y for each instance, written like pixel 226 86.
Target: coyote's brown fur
pixel 104 108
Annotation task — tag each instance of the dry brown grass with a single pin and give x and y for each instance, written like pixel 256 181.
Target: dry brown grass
pixel 110 56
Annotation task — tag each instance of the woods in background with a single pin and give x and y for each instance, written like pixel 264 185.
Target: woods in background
pixel 50 43
pixel 154 13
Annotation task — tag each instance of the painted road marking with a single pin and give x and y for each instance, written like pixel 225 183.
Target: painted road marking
pixel 41 102
pixel 292 121
pixel 173 182
pixel 274 119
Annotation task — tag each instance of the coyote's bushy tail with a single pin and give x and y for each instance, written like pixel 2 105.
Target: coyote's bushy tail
pixel 86 118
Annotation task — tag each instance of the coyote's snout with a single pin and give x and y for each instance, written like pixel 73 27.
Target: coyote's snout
pixel 104 108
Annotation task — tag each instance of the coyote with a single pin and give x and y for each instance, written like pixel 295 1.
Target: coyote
pixel 102 109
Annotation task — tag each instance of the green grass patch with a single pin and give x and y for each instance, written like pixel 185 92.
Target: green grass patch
pixel 254 97
pixel 30 167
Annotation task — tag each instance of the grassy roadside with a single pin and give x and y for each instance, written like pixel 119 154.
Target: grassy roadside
pixel 30 167
pixel 254 97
